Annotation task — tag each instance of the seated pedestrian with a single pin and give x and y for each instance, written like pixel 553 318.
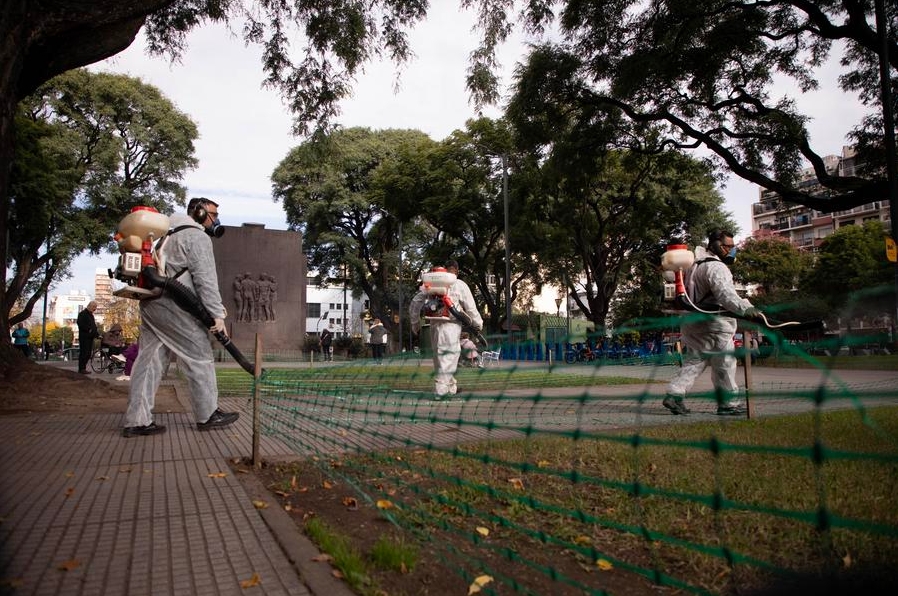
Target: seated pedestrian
pixel 113 342
pixel 129 355
pixel 469 351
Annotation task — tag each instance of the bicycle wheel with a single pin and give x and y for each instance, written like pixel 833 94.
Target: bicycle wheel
pixel 97 361
pixel 570 356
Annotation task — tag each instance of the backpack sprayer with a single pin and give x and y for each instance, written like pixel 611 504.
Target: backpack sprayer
pixel 137 266
pixel 438 305
pixel 678 259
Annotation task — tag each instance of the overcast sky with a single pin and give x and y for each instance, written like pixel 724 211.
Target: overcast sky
pixel 245 130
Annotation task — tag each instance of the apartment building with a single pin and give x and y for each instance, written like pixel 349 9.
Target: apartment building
pixel 806 228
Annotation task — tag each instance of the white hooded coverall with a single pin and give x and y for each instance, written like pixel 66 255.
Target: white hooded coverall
pixel 445 335
pixel 167 329
pixel 709 341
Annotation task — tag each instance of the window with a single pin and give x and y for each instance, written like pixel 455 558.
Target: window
pixel 314 310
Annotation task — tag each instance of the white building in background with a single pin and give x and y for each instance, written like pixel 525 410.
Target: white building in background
pixel 64 308
pixel 334 306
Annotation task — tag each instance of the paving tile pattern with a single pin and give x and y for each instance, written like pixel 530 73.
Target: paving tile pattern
pixel 86 512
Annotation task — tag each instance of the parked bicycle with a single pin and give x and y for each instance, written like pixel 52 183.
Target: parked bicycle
pixel 102 360
pixel 579 353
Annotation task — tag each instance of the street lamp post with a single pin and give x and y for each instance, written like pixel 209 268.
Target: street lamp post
pixel 400 287
pixel 507 248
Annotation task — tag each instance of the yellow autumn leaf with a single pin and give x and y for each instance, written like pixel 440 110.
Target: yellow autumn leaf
pixel 69 565
pixel 478 583
pixel 517 483
pixel 542 464
pixel 604 565
pixel 327 485
pixel 583 540
pixel 254 580
pixel 385 504
pixel 69 474
pixel 483 531
pixel 351 503
pixel 217 474
pixel 260 504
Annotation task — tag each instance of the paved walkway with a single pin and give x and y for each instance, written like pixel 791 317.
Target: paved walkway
pixel 84 511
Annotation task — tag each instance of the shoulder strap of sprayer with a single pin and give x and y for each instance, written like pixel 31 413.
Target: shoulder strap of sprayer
pixel 701 302
pixel 162 242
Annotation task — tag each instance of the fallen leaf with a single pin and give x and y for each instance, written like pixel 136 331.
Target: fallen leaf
pixel 260 504
pixel 281 493
pixel 583 540
pixel 337 573
pixel 69 492
pixel 327 485
pixel 385 504
pixel 255 580
pixel 293 482
pixel 102 478
pixel 517 483
pixel 323 558
pixel 351 503
pixel 218 474
pixel 302 489
pixel 288 507
pixel 69 474
pixel 343 432
pixel 604 565
pixel 478 583
pixel 70 565
pixel 846 560
pixel 542 464
pixel 242 471
pixel 402 568
pixel 483 531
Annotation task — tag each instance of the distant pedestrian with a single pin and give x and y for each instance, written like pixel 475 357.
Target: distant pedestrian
pixel 327 338
pixel 87 333
pixel 46 350
pixel 20 339
pixel 378 335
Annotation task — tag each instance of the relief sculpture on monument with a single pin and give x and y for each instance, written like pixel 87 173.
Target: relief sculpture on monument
pixel 255 299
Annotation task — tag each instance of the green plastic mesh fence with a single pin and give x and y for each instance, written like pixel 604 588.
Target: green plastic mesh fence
pixel 555 472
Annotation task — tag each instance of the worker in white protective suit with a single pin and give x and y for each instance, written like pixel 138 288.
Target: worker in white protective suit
pixel 185 255
pixel 709 341
pixel 445 334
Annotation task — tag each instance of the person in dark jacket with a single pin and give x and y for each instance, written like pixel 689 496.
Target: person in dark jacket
pixel 87 333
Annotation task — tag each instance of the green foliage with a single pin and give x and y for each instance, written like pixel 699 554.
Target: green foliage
pixel 349 193
pixel 702 73
pixel 852 272
pixel 89 147
pixel 394 555
pixel 774 264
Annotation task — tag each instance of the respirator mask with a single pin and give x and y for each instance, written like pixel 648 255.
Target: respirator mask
pixel 215 230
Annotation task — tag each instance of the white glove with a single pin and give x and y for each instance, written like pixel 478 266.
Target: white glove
pixel 218 327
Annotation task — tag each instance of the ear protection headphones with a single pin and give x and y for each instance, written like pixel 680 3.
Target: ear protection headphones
pixel 199 213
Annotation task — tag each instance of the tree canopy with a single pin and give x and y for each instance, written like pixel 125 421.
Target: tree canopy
pixel 90 146
pixel 700 72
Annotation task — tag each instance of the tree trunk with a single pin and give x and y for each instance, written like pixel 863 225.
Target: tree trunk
pixel 40 39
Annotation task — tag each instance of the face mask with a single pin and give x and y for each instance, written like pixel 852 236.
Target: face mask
pixel 730 257
pixel 216 230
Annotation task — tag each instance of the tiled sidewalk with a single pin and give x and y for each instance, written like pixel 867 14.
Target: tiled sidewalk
pixel 84 511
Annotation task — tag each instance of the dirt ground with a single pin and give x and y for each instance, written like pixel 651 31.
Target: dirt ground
pixel 304 491
pixel 34 387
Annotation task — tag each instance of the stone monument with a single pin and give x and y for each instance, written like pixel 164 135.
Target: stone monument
pixel 262 279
